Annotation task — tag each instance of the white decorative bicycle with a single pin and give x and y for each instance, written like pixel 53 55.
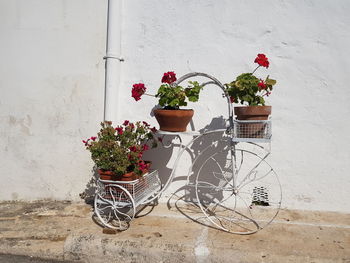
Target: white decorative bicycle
pixel 235 187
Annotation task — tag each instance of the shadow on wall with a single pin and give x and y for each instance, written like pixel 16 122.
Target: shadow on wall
pixel 88 194
pixel 208 155
pixel 160 156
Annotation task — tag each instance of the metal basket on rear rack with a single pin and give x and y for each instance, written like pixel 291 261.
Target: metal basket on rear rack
pixel 252 130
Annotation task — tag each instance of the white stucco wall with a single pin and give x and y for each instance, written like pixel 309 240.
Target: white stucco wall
pixel 52 85
pixel 52 77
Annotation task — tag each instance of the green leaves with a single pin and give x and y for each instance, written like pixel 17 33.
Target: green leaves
pixel 270 82
pixel 193 90
pixel 112 148
pixel 175 97
pixel 169 96
pixel 261 100
pixel 245 89
pixel 246 81
pixel 174 103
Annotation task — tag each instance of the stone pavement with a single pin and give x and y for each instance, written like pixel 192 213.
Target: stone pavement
pixel 64 231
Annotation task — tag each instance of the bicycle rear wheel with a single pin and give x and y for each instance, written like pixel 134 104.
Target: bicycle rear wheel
pixel 236 189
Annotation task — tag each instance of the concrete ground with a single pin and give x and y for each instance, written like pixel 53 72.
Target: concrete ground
pixel 9 258
pixel 64 231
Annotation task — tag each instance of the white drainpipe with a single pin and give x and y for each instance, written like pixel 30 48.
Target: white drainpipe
pixel 113 59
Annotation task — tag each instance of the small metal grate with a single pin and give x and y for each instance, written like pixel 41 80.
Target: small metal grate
pixel 260 196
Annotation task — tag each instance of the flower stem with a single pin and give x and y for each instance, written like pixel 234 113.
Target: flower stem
pixel 255 69
pixel 148 95
pixel 267 93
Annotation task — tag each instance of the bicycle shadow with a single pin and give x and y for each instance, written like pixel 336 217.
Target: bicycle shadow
pixel 209 164
pixel 88 193
pixel 204 158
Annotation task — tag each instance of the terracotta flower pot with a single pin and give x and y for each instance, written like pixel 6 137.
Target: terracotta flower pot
pixel 129 177
pixel 173 120
pixel 252 112
pixel 107 175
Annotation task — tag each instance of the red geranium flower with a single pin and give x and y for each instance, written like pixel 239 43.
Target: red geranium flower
pixel 146 124
pixel 86 142
pixel 145 147
pixel 126 122
pixel 119 130
pixel 133 149
pixel 142 165
pixel 154 130
pixel 232 99
pixel 93 138
pixel 169 77
pixel 138 90
pixel 261 85
pixel 262 60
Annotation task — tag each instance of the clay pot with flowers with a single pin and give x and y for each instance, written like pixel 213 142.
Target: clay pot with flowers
pixel 171 97
pixel 117 151
pixel 251 90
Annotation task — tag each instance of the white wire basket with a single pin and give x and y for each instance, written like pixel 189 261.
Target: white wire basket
pixel 254 131
pixel 140 189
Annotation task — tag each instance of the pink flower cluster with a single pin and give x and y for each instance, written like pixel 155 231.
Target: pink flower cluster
pixel 119 130
pixel 135 155
pixel 261 85
pixel 169 77
pixel 86 142
pixel 142 165
pixel 262 60
pixel 136 151
pixel 126 123
pixel 138 90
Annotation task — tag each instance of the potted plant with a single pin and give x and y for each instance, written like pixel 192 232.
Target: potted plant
pixel 117 151
pixel 171 97
pixel 251 90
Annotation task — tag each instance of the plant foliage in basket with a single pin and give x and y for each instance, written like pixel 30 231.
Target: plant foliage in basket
pixel 120 149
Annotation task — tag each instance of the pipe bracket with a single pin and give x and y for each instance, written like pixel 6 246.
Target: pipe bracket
pixel 114 57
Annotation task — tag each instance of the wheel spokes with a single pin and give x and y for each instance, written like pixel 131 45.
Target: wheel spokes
pixel 238 209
